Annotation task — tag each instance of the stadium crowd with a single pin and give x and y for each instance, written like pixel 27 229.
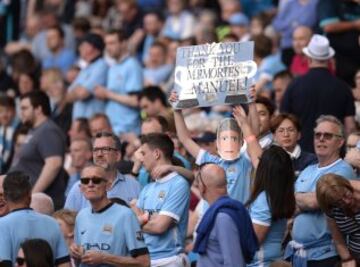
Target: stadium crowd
pixel 98 169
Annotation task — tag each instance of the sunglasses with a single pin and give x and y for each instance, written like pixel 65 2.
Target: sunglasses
pixel 325 135
pixel 94 180
pixel 20 261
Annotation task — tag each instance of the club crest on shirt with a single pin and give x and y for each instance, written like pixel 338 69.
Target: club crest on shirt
pixel 139 235
pixel 161 195
pixel 231 170
pixel 107 228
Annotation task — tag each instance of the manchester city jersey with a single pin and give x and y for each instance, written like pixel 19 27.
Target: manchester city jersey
pixel 114 230
pixel 167 196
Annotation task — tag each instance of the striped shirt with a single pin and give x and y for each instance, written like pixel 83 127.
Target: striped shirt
pixel 349 227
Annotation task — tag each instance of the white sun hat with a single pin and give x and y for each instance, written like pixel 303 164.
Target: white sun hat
pixel 319 48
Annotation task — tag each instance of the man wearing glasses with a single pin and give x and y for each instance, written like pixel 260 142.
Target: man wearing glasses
pixel 311 238
pixel 106 233
pixel 106 153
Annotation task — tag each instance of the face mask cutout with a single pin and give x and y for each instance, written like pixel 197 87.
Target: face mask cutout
pixel 229 139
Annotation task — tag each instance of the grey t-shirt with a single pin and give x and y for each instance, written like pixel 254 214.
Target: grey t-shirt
pixel 223 247
pixel 44 141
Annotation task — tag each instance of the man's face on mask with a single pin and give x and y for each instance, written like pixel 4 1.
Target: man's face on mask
pixel 229 144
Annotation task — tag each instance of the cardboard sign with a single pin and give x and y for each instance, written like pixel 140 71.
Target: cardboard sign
pixel 214 74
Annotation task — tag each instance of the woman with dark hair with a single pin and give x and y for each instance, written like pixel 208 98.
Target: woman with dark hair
pixel 271 203
pixel 286 131
pixel 35 253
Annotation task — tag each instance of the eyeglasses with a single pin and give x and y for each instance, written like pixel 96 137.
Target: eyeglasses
pixel 325 135
pixel 105 149
pixel 286 130
pixel 20 261
pixel 348 147
pixel 94 180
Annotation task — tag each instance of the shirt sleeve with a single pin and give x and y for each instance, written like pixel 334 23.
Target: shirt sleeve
pixel 76 231
pixel 5 248
pixel 134 80
pixel 57 147
pixel 62 253
pixel 229 241
pixel 260 212
pixel 177 201
pixel 133 236
pixel 140 201
pixel 205 156
pixel 73 200
pixel 96 76
pixel 345 171
pixel 327 12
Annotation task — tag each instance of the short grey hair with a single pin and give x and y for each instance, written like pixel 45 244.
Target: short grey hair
pixel 332 119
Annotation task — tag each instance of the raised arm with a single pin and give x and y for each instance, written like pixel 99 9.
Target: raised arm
pixel 182 131
pixel 253 115
pixel 253 146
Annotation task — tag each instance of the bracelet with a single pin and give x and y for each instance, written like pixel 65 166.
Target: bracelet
pixel 350 258
pixel 250 138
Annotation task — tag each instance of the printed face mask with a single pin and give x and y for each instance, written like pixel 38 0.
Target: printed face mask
pixel 228 139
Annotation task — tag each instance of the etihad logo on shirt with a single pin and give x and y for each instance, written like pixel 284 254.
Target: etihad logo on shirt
pixel 98 246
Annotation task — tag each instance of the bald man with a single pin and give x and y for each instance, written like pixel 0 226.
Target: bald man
pixel 4 209
pixel 301 38
pixel 225 236
pixel 42 203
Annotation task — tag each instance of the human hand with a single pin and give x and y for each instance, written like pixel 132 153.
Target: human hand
pixel 240 115
pixel 144 218
pixel 76 251
pixel 138 157
pixel 93 257
pixel 160 171
pixel 101 92
pixel 80 93
pixel 173 97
